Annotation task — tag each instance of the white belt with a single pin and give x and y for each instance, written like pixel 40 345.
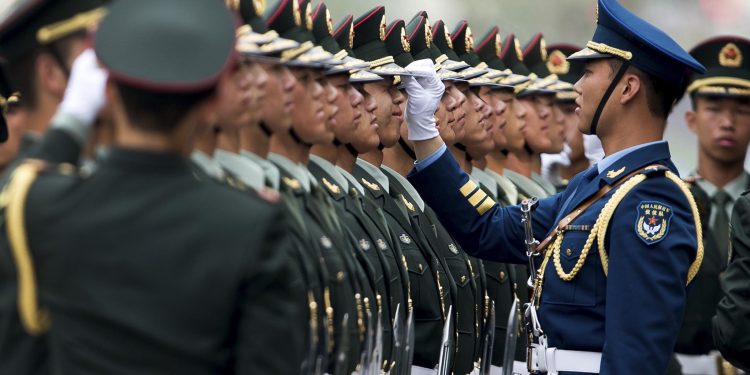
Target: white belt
pixel 416 370
pixel 555 360
pixel 702 364
pixel 518 368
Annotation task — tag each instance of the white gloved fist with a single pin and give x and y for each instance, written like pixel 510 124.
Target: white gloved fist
pixel 425 91
pixel 84 96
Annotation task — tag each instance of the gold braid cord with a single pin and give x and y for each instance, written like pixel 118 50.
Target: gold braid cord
pixel 609 209
pixel 34 320
pixel 599 232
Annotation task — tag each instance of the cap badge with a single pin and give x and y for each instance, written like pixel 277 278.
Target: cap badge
pixel 308 17
pixel 469 40
pixel 381 29
pixel 543 49
pixel 498 45
pixel 427 33
pixel 351 36
pixel 260 7
pixel 405 41
pixel 517 46
pixel 557 63
pixel 296 13
pixel 448 38
pixel 730 56
pixel 329 22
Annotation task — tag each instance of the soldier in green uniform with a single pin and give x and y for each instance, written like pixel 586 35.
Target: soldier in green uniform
pixel 730 325
pixel 523 167
pixel 289 151
pixel 33 99
pixel 354 133
pixel 564 108
pixel 39 41
pixel 720 117
pixel 546 174
pixel 171 301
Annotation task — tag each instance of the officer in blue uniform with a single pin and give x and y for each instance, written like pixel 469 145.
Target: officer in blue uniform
pixel 622 240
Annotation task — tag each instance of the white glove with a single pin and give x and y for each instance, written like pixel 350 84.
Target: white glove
pixel 84 96
pixel 425 91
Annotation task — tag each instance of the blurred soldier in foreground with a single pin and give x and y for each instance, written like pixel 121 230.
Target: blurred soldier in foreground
pixel 140 267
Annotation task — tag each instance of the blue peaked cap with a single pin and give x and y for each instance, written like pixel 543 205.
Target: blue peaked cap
pixel 620 33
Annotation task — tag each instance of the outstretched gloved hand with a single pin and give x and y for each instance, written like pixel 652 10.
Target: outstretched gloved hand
pixel 84 96
pixel 425 90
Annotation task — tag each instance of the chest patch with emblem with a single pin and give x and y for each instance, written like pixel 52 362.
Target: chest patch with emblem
pixel 652 221
pixel 405 238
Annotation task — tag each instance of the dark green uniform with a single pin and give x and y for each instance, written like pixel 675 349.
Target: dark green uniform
pixel 732 322
pixel 430 297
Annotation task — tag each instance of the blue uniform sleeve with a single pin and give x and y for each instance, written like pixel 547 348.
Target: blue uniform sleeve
pixel 479 224
pixel 651 242
pixel 424 163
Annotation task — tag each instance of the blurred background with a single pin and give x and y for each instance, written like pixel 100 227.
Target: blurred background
pixel 572 21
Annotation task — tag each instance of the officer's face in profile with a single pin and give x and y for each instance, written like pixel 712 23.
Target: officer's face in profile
pixel 722 125
pixel 389 135
pixel 235 96
pixel 498 107
pixel 330 95
pixel 347 116
pixel 365 137
pixel 566 111
pixel 597 75
pixel 556 129
pixel 444 119
pixel 383 103
pixel 276 114
pixel 308 115
pixel 516 126
pixel 478 127
pixel 538 110
pixel 459 114
pixel 260 80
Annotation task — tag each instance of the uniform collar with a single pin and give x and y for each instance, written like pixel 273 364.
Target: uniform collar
pixel 352 180
pixel 610 160
pixel 248 172
pixel 510 190
pixel 734 188
pixel 146 160
pixel 270 171
pixel 483 178
pixel 375 173
pixel 297 171
pixel 413 194
pixel 207 164
pixel 331 170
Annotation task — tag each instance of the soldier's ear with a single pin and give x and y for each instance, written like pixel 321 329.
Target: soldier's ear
pixel 51 79
pixel 631 86
pixel 690 121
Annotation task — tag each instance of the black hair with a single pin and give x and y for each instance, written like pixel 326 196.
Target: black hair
pixel 158 112
pixel 660 95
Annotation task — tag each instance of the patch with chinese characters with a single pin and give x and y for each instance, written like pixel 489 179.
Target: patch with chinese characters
pixel 652 221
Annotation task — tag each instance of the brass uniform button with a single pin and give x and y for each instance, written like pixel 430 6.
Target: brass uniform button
pixel 340 276
pixel 502 275
pixel 568 252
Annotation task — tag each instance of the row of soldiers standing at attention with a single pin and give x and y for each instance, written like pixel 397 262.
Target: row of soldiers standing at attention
pixel 358 274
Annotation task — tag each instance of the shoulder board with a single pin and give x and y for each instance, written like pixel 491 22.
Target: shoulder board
pixel 655 170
